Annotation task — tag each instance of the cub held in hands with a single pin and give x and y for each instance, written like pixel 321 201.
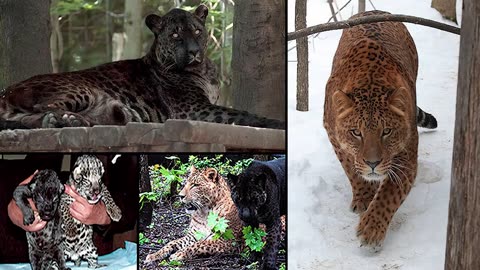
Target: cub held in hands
pixel 44 246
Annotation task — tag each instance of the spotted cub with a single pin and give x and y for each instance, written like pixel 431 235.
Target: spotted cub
pixel 371 118
pixel 86 178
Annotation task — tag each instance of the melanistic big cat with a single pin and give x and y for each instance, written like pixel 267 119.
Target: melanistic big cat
pixel 44 246
pixel 260 194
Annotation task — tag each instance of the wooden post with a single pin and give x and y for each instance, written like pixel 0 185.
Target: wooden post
pixel 361 6
pixel 463 232
pixel 133 25
pixel 145 214
pixel 258 57
pixel 447 8
pixel 302 56
pixel 24 41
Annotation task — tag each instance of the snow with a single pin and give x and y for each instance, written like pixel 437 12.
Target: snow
pixel 321 227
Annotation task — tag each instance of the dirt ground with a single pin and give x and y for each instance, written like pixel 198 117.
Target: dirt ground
pixel 170 223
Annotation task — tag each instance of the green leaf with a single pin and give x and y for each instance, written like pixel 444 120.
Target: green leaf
pixel 260 233
pixel 175 263
pixel 212 219
pixel 221 225
pixel 228 234
pixel 199 235
pixel 216 236
pixel 253 240
pixel 247 230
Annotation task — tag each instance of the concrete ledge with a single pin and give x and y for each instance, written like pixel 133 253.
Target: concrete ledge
pixel 172 136
pixel 238 137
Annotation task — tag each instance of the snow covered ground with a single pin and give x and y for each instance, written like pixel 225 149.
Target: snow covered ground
pixel 321 227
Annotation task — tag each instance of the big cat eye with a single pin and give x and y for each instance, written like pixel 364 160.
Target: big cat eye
pixel 386 131
pixel 197 32
pixel 356 133
pixel 175 35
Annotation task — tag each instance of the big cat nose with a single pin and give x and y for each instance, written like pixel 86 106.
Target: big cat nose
pixel 372 164
pixel 245 212
pixel 194 53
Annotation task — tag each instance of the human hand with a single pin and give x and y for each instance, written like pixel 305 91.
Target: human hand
pixel 85 212
pixel 16 215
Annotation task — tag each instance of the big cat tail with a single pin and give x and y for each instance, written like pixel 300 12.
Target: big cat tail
pixel 6 124
pixel 425 120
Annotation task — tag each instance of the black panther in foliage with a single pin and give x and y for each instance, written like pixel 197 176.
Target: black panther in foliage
pixel 260 194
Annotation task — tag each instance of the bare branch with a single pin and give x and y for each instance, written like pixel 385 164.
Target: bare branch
pixel 371 19
pixel 338 11
pixel 332 10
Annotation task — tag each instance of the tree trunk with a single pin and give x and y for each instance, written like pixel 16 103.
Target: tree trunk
pixel 463 237
pixel 133 26
pixel 56 41
pixel 25 40
pixel 302 56
pixel 447 8
pixel 258 57
pixel 145 215
pixel 361 6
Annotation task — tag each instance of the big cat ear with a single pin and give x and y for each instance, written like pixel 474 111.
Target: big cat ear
pixel 342 104
pixel 399 101
pixel 155 23
pixel 76 172
pixel 211 174
pixel 193 169
pixel 201 12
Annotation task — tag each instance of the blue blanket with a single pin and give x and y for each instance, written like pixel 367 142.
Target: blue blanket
pixel 122 258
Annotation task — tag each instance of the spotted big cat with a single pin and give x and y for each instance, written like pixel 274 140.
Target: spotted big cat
pixel 174 80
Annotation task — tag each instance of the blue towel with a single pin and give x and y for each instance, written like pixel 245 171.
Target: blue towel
pixel 122 258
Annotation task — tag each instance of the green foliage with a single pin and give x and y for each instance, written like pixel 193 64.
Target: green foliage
pixel 245 254
pixel 219 228
pixel 222 167
pixel 253 265
pixel 150 196
pixel 282 266
pixel 66 7
pixel 166 180
pixel 253 238
pixel 163 180
pixel 199 235
pixel 171 263
pixel 142 239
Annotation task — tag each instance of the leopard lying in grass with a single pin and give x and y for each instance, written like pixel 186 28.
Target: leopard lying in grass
pixel 205 190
